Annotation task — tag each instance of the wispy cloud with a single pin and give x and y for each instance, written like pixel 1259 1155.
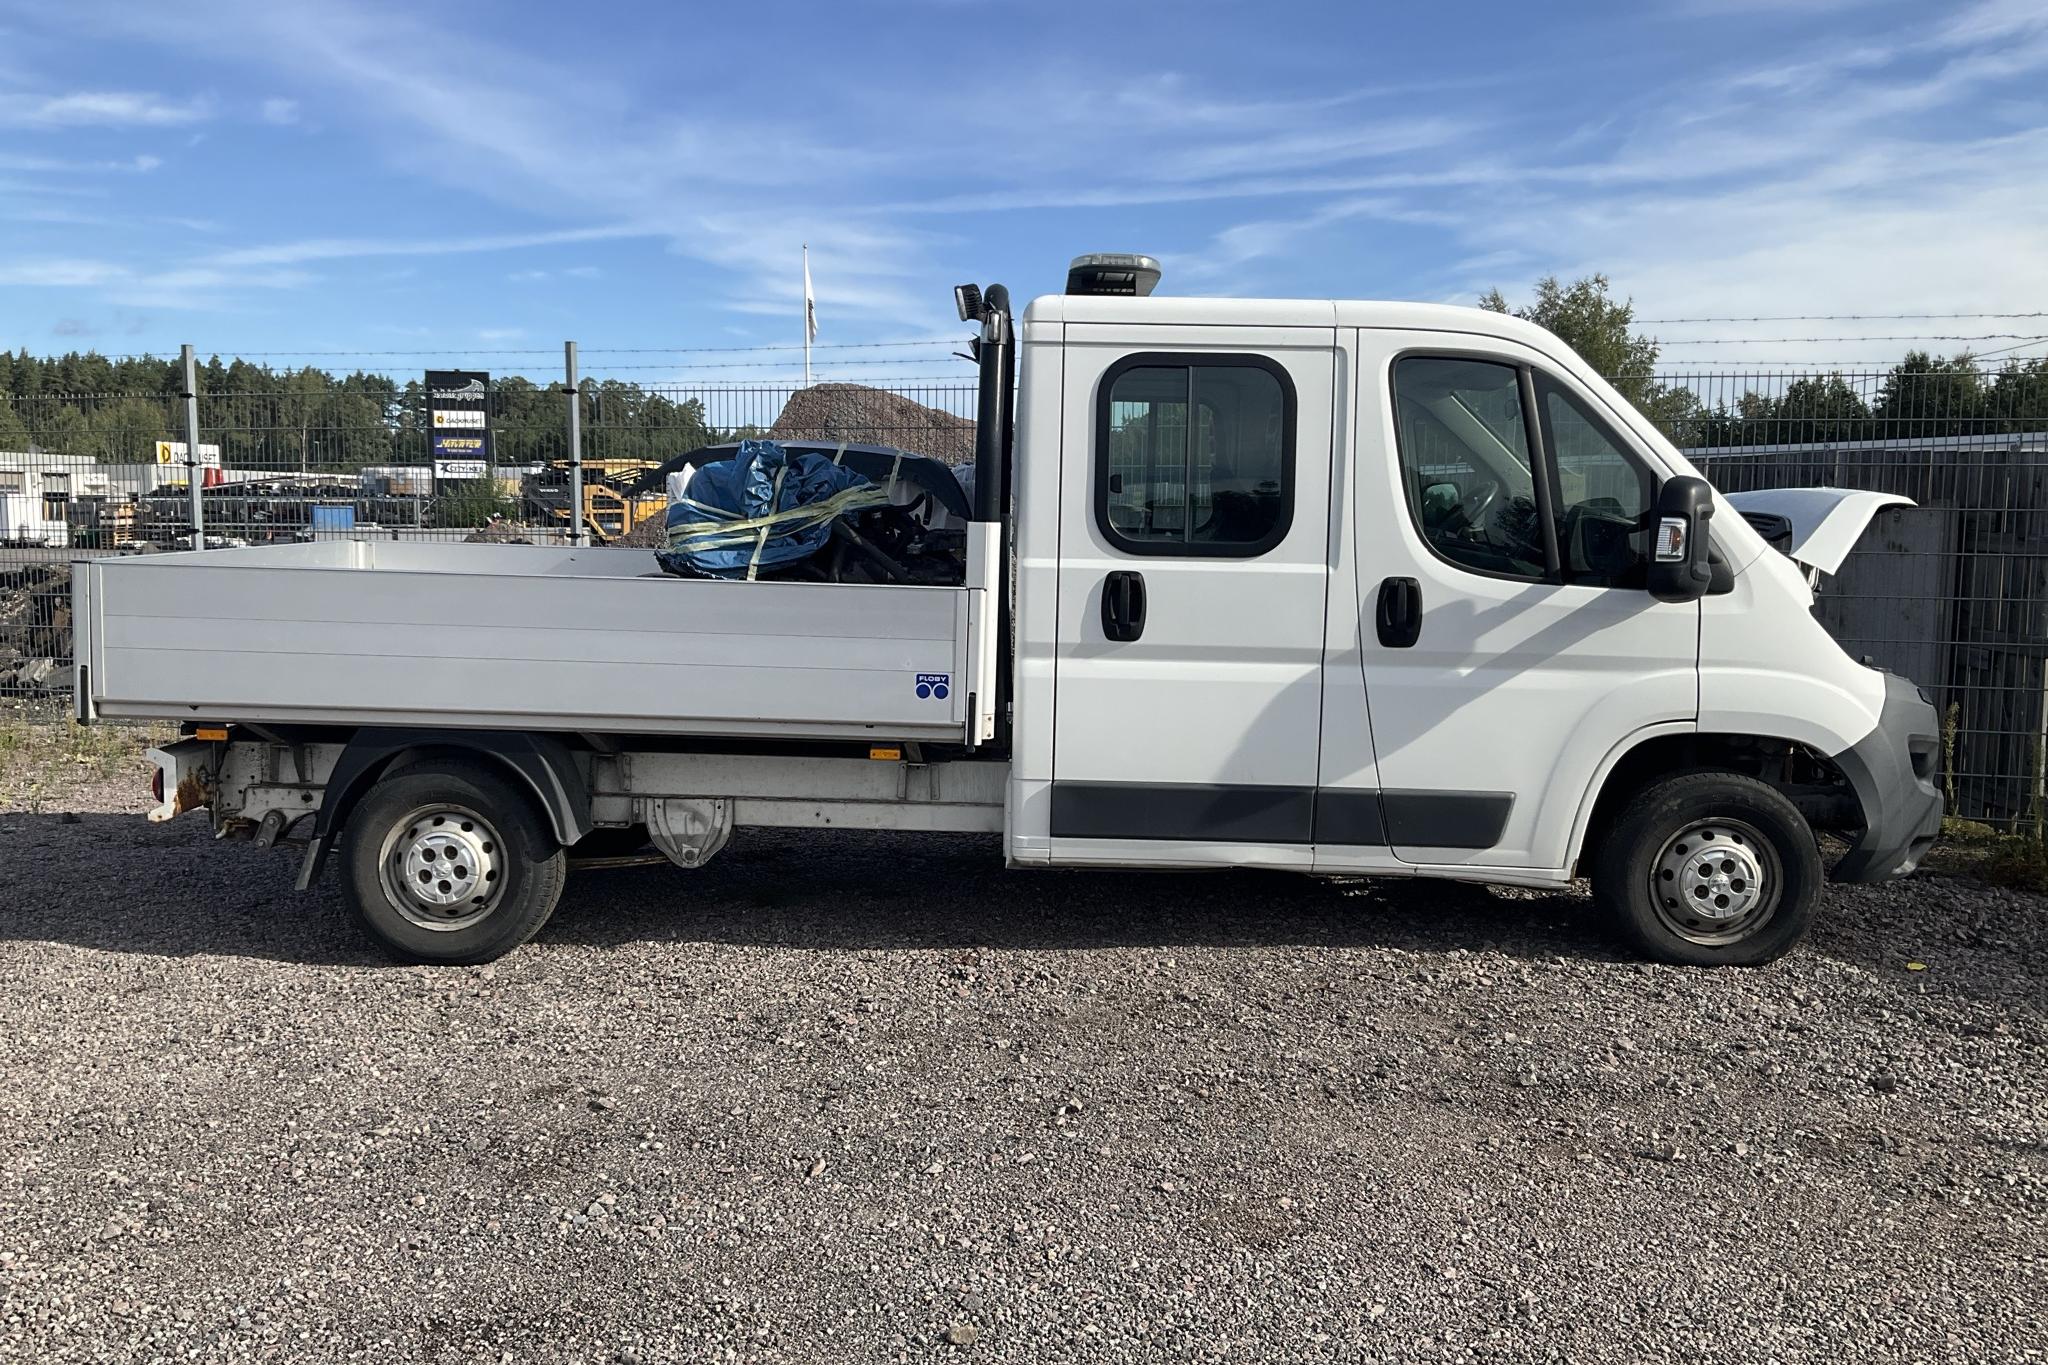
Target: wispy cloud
pixel 60 273
pixel 281 112
pixel 102 109
pixel 574 272
pixel 52 165
pixel 124 284
pixel 350 248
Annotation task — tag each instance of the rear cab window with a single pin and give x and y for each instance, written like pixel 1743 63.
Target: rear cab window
pixel 1195 454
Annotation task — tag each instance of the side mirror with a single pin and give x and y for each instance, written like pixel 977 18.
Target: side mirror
pixel 1679 567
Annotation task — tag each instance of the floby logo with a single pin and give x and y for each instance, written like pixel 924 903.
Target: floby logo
pixel 473 389
pixel 937 686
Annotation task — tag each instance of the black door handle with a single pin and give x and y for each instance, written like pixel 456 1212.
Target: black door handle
pixel 1399 614
pixel 1123 605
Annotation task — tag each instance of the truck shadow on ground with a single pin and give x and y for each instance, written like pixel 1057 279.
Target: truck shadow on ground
pixel 114 883
pixel 845 891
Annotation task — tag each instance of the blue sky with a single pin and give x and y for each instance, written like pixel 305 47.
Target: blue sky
pixel 299 176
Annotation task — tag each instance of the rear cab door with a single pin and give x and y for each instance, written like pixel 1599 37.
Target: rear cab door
pixel 1193 580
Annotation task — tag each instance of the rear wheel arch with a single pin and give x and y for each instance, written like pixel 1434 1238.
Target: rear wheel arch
pixel 541 765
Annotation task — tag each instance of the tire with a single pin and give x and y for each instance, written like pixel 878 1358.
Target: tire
pixel 1709 869
pixel 486 866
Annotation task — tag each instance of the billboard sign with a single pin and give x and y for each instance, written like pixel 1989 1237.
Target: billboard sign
pixel 173 453
pixel 469 447
pixel 458 407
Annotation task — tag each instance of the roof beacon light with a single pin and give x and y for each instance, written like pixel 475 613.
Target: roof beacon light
pixel 1113 272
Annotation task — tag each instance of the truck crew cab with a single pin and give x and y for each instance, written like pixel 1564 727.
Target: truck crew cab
pixel 1347 588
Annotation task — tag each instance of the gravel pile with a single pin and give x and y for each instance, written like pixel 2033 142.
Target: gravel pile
pixel 847 1099
pixel 863 415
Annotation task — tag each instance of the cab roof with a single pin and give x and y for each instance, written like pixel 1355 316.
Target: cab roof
pixel 1191 311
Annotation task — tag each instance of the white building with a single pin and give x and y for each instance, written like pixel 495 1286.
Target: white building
pixel 37 488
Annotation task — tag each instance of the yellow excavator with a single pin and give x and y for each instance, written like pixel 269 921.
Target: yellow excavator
pixel 609 512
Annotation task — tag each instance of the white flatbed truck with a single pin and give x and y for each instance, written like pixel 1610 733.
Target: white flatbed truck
pixel 1345 588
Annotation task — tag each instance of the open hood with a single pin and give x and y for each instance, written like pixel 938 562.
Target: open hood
pixel 1815 526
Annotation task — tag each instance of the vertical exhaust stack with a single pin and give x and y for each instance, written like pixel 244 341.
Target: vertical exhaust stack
pixel 995 353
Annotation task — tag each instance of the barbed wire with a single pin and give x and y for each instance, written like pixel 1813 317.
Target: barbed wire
pixel 2021 337
pixel 1845 317
pixel 794 346
pixel 214 353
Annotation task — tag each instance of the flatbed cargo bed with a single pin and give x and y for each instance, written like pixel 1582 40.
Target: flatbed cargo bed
pixel 511 636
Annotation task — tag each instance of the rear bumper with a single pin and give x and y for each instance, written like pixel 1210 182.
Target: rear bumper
pixel 187 782
pixel 1892 770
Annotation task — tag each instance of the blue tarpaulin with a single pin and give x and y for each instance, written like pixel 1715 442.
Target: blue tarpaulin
pixel 762 509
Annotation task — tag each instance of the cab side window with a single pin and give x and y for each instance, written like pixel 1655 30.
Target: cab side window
pixel 1195 454
pixel 1466 468
pixel 1603 497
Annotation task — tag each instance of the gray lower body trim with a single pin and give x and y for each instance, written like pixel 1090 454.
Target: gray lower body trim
pixel 1892 771
pixel 1351 817
pixel 1446 819
pixel 1250 814
pixel 1223 814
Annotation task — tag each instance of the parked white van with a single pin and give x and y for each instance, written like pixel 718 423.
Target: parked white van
pixel 1345 588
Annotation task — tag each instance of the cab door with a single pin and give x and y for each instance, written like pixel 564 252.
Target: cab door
pixel 1193 581
pixel 1510 643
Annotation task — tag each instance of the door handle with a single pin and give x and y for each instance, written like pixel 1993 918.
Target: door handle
pixel 1123 605
pixel 1399 614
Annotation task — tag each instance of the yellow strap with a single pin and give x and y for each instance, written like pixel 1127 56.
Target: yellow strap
pixel 742 530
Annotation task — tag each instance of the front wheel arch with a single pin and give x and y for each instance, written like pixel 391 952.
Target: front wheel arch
pixel 1810 779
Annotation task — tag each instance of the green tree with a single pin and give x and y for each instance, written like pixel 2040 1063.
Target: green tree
pixel 64 430
pixel 470 504
pixel 13 431
pixel 1813 410
pixel 126 430
pixel 1930 396
pixel 1588 318
pixel 2018 400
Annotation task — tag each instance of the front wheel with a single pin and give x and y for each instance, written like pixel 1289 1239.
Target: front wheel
pixel 449 863
pixel 1709 869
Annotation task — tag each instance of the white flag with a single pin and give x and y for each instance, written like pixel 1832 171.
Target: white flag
pixel 810 302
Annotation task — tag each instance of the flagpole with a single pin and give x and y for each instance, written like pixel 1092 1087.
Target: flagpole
pixel 807 315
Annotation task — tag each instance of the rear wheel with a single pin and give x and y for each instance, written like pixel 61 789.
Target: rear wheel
pixel 450 863
pixel 1709 869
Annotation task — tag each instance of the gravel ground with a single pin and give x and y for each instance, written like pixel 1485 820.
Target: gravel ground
pixel 849 1099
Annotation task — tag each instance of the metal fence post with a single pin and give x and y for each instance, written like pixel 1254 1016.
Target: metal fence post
pixel 581 534
pixel 192 476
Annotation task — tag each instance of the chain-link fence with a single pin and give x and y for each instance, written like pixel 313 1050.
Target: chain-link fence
pixel 309 455
pixel 1950 593
pixel 1953 592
